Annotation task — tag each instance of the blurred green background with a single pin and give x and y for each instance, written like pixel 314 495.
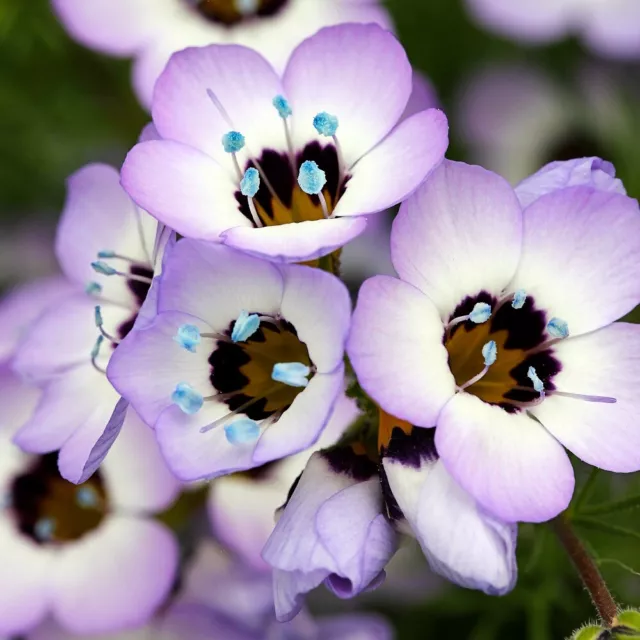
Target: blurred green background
pixel 62 106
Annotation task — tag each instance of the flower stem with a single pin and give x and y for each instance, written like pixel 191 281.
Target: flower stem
pixel 588 571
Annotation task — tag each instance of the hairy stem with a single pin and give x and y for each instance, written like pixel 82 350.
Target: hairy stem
pixel 588 571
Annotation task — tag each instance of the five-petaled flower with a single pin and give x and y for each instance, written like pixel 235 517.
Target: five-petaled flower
pixel 243 363
pixel 285 167
pixel 547 368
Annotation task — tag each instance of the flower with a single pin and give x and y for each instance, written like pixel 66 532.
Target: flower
pixel 611 29
pixel 242 506
pixel 105 247
pixel 152 34
pixel 461 541
pixel 224 114
pixel 86 555
pixel 332 530
pixel 568 265
pixel 263 380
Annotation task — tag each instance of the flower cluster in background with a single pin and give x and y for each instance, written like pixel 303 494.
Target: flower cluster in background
pixel 333 329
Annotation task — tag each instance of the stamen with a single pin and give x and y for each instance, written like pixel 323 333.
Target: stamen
pixel 187 398
pixel 586 398
pixel 249 186
pixel 538 385
pixel 44 529
pixel 94 354
pixel 312 179
pixel 326 124
pixel 188 337
pixel 106 270
pixel 86 497
pixel 218 105
pixel 294 374
pixel 558 328
pixel 109 254
pixel 519 298
pixel 99 323
pixel 93 289
pixel 490 355
pixel 240 409
pixel 243 431
pixel 283 107
pixel 247 7
pixel 480 313
pixel 245 326
pixel 234 141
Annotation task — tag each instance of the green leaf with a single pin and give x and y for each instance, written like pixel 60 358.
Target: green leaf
pixel 616 506
pixel 605 527
pixel 585 491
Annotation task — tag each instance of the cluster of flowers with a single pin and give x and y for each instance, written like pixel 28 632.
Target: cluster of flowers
pixel 201 332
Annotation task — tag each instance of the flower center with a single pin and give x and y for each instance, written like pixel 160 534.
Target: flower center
pixel 233 12
pixel 280 199
pixel 140 290
pixel 243 372
pixel 50 510
pixel 520 336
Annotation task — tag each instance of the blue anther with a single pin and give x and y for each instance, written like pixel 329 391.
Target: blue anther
pixel 283 107
pixel 243 431
pixel 96 347
pixel 480 313
pixel 490 353
pixel 86 497
pixel 294 374
pixel 233 141
pixel 97 315
pixel 245 326
pixel 106 254
pixel 519 298
pixel 103 268
pixel 326 124
pixel 188 337
pixel 187 398
pixel 311 177
pixel 6 500
pixel 93 288
pixel 44 529
pixel 247 7
pixel 558 328
pixel 250 184
pixel 538 385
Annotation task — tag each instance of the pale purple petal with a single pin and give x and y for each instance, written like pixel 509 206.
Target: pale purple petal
pixel 183 188
pixel 581 256
pixel 87 584
pixel 508 462
pixel 397 166
pixel 295 242
pixel 458 235
pixel 396 348
pixel 613 29
pixel 590 172
pixel 423 96
pixel 355 626
pixel 359 73
pixel 604 363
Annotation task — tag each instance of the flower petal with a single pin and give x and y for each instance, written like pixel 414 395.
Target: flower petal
pixel 87 590
pixel 147 366
pixel 183 188
pixel 302 423
pixel 396 348
pixel 581 256
pixel 604 363
pixel 24 583
pixel 397 166
pixel 308 294
pixel 508 462
pixel 215 283
pixel 423 96
pixel 295 242
pixel 458 235
pixel 243 82
pixel 352 626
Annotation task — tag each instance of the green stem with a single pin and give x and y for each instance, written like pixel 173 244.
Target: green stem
pixel 587 570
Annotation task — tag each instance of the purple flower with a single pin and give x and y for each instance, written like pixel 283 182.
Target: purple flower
pixel 153 33
pixel 242 506
pixel 67 348
pixel 224 111
pixel 609 28
pixel 332 530
pixel 225 405
pixel 86 555
pixel 555 277
pixel 460 540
